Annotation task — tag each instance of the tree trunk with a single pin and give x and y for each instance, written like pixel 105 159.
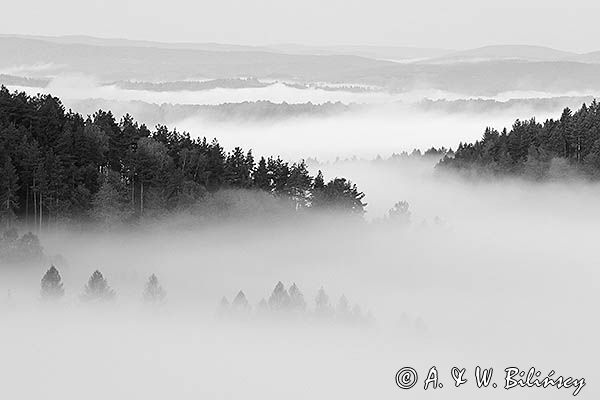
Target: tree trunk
pixel 27 206
pixel 142 198
pixel 40 230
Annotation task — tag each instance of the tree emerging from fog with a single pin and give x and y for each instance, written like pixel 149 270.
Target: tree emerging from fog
pixel 240 303
pixel 52 286
pixel 400 213
pixel 322 306
pixel 286 305
pixel 554 149
pixel 153 291
pixel 280 299
pixel 297 302
pixel 97 289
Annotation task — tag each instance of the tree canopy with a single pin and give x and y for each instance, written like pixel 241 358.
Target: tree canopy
pixel 570 144
pixel 59 165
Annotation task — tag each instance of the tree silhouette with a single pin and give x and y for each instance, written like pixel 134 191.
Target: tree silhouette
pixel 224 306
pixel 52 287
pixel 154 292
pixel 297 302
pixel 400 213
pixel 97 289
pixel 280 299
pixel 322 307
pixel 240 303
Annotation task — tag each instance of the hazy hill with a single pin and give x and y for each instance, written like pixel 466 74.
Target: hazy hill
pixel 507 52
pixel 377 52
pixel 115 42
pixel 593 57
pixel 148 63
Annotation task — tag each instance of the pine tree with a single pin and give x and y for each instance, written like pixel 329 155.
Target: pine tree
pixel 262 306
pixel 52 287
pixel 343 308
pixel 400 213
pixel 298 184
pixel 297 302
pixel 240 303
pixel 223 306
pixel 154 292
pixel 280 299
pixel 261 176
pixel 322 307
pixel 342 195
pixel 319 182
pixel 97 289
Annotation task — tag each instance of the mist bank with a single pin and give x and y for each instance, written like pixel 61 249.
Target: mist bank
pixel 440 272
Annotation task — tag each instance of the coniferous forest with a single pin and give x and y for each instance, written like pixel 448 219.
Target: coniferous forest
pixel 57 165
pixel 553 149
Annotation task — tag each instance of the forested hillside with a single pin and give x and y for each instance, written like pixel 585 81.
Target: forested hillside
pixel 554 148
pixel 58 165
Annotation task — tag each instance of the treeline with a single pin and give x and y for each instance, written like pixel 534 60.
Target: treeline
pixel 291 302
pixel 57 165
pixel 555 148
pixel 97 288
pixel 281 303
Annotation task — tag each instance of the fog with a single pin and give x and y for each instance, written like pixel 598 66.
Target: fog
pixel 363 134
pixel 72 87
pixel 489 272
pixel 385 123
pixel 506 276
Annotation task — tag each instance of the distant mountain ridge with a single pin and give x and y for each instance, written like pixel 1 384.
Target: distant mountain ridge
pixel 486 71
pixel 508 52
pixel 399 53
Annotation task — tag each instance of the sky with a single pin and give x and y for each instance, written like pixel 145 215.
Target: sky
pixel 457 24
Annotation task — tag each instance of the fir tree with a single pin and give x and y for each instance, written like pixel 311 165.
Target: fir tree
pixel 280 299
pixel 224 306
pixel 97 289
pixel 262 306
pixel 154 292
pixel 322 306
pixel 297 302
pixel 240 303
pixel 400 213
pixel 52 287
pixel 343 307
pixel 260 177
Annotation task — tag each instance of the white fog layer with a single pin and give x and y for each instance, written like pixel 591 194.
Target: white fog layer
pixel 426 205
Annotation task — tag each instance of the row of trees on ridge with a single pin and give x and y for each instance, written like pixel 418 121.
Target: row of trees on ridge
pixel 59 165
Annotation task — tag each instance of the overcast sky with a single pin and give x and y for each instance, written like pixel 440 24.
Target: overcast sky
pixel 457 24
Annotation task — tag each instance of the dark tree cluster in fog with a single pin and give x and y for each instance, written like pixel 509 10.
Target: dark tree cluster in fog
pixel 291 302
pixel 552 149
pixel 16 249
pixel 97 289
pixel 57 165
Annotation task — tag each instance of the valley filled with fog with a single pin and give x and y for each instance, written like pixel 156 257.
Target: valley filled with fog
pixel 495 271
